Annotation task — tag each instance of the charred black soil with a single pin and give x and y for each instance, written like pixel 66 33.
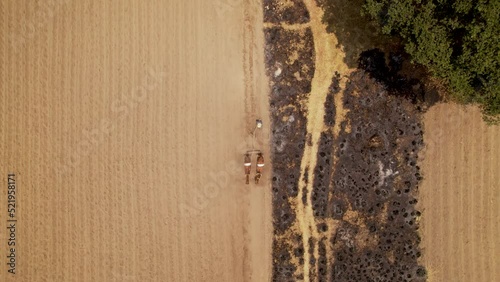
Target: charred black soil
pixel 366 176
pixel 376 179
pixel 290 86
pixel 291 12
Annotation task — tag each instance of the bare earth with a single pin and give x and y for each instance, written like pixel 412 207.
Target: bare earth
pixel 460 196
pixel 125 125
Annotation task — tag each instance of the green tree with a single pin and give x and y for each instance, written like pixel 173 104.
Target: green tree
pixel 457 40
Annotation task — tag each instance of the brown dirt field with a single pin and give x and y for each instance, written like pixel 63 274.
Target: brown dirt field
pixel 460 195
pixel 125 126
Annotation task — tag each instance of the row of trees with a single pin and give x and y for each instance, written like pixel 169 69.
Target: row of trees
pixel 457 40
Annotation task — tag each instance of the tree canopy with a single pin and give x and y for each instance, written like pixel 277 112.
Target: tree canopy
pixel 457 40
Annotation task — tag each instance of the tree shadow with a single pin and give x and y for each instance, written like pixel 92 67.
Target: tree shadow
pixel 382 56
pixel 354 31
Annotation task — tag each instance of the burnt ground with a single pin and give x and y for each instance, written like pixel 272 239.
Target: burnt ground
pixel 376 177
pixel 366 178
pixel 293 13
pixel 289 90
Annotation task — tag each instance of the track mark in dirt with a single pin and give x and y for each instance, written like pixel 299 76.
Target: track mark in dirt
pixel 250 113
pixel 248 65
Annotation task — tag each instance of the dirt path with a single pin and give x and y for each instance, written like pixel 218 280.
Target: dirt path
pixel 125 126
pixel 460 196
pixel 259 239
pixel 328 60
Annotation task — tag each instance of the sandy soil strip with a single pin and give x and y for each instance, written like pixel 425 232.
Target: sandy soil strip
pixel 328 60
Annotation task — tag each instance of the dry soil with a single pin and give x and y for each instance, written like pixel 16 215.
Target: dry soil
pixel 460 195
